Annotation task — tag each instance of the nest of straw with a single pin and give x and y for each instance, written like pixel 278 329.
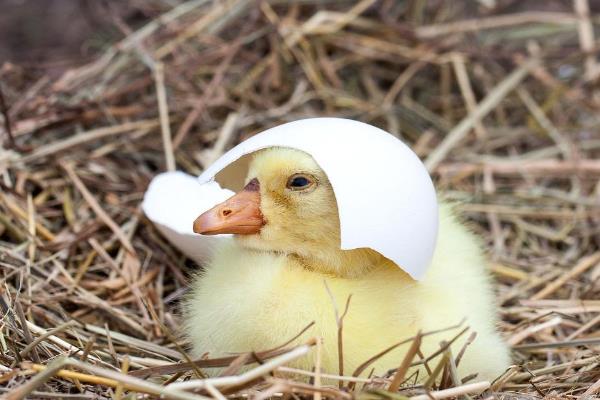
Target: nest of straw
pixel 501 103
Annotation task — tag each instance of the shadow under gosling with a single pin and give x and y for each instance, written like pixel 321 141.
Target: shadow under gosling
pixel 270 281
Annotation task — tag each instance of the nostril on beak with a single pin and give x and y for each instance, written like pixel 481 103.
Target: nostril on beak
pixel 226 212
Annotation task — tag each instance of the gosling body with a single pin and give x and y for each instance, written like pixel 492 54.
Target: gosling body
pixel 262 289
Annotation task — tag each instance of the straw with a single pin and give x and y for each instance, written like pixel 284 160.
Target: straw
pixel 500 102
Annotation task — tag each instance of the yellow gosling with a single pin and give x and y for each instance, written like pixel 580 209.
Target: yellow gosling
pixel 269 282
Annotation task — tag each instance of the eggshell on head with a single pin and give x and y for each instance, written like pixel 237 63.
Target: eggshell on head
pixel 386 199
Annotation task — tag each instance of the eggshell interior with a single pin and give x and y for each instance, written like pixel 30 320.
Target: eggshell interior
pixel 386 199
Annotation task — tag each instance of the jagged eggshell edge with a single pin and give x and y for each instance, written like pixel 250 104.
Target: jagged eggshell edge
pixel 173 201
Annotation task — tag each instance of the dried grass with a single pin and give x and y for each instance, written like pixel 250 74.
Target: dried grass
pixel 501 104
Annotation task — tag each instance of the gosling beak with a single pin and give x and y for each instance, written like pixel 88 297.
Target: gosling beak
pixel 240 214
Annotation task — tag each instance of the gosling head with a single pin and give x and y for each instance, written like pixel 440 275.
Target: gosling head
pixel 288 206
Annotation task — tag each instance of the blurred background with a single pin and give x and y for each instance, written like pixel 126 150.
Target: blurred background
pixel 54 34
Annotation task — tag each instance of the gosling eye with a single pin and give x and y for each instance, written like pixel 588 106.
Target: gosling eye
pixel 301 182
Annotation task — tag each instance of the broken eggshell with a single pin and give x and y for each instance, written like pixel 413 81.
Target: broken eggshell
pixel 385 197
pixel 173 201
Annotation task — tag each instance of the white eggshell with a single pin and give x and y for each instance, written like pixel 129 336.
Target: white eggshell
pixel 385 197
pixel 173 201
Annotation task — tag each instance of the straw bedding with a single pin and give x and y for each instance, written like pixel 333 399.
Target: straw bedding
pixel 501 103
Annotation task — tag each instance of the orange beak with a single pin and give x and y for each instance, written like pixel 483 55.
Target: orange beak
pixel 240 214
